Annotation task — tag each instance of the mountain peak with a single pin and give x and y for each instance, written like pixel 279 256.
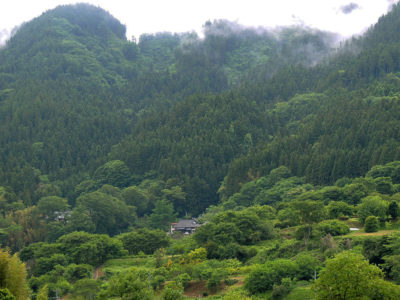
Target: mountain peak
pixel 80 20
pixel 69 40
pixel 89 18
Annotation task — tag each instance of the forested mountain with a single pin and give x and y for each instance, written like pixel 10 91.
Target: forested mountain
pixel 75 93
pixel 279 140
pixel 335 119
pixel 72 86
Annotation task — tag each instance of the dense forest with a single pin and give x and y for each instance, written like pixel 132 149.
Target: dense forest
pixel 283 143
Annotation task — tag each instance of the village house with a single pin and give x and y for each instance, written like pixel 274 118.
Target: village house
pixel 185 226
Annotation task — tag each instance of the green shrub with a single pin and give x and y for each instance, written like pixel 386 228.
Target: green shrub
pixel 215 279
pixel 6 295
pixel 305 230
pixel 230 281
pixel 393 210
pixel 263 277
pixel 145 240
pixel 307 264
pixel 183 279
pixel 46 264
pixel 281 290
pixel 74 272
pixel 157 281
pixel 85 288
pixel 338 209
pixel 172 291
pixel 371 224
pixel 333 227
pixel 372 206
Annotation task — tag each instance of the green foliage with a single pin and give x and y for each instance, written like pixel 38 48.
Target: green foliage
pixel 74 272
pixel 85 288
pixel 177 197
pixel 371 224
pixel 215 278
pixel 77 82
pixel 355 192
pixel 384 185
pixel 85 186
pixel 39 250
pixel 162 215
pixel 6 295
pixel 339 209
pixel 43 293
pixel 93 249
pixel 344 278
pixel 144 240
pixel 81 220
pixel 172 291
pixel 393 210
pixel 197 255
pixel 228 230
pixel 288 217
pixel 392 263
pixel 108 214
pixel 51 204
pixel 135 134
pixel 182 245
pixel 46 264
pixel 138 198
pixel 271 189
pixel 12 276
pixel 308 264
pixel 372 206
pixel 309 211
pixel 130 285
pixel 183 279
pixel 384 171
pixel 283 289
pixel 306 232
pixel 262 278
pixel 376 248
pixel 333 227
pixel 115 173
pixel 157 281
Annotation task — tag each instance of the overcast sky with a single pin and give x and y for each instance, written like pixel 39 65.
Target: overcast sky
pixel 149 16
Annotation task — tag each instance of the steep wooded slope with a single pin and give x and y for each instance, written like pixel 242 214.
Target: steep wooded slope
pixel 71 86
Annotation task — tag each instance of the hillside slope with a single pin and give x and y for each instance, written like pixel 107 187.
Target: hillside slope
pixel 72 86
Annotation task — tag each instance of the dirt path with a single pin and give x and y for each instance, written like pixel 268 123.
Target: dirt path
pixel 379 233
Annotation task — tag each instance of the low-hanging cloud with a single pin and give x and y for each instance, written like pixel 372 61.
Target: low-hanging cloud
pixel 349 8
pixel 391 3
pixel 4 35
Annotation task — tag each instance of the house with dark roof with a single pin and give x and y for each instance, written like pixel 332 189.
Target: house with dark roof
pixel 185 226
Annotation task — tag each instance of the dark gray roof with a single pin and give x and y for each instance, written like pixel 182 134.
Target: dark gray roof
pixel 186 223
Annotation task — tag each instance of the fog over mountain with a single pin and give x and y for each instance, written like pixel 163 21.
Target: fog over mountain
pixel 175 16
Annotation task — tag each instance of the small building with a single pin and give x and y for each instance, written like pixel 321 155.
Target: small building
pixel 185 226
